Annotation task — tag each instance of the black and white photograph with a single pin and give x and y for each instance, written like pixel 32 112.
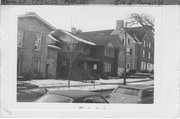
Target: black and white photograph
pixel 112 62
pixel 91 60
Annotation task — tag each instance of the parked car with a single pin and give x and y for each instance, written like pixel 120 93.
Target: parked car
pixel 72 96
pixel 142 94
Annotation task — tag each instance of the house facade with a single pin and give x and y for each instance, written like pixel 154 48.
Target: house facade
pixel 37 56
pixel 140 50
pixel 98 54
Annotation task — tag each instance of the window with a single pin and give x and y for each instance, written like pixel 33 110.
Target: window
pixel 149 45
pixel 149 55
pixel 127 91
pixel 122 41
pixel 55 98
pixel 143 65
pixel 128 66
pixel 94 99
pixel 37 64
pixel 144 43
pixel 95 66
pixel 38 42
pixel 109 52
pixel 107 67
pixel 129 51
pixel 20 38
pixel 128 41
pixel 64 62
pixel 143 53
pixel 148 93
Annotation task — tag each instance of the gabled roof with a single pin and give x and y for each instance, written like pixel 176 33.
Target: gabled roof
pixel 58 33
pixel 100 38
pixel 38 18
pixel 137 33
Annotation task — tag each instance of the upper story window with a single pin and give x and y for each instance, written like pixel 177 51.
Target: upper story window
pixel 129 51
pixel 38 42
pixel 84 49
pixel 122 41
pixel 143 53
pixel 128 41
pixel 149 45
pixel 109 52
pixel 20 38
pixel 144 43
pixel 149 55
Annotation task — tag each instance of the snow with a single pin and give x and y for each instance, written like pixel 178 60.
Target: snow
pixel 56 83
pixel 52 46
pixel 77 38
pixel 86 88
pixel 52 38
pixel 53 82
pixel 120 80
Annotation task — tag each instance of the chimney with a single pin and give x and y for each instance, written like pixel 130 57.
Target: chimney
pixel 73 30
pixel 119 24
pixel 30 13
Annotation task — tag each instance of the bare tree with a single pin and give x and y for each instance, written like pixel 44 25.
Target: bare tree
pixel 73 51
pixel 146 21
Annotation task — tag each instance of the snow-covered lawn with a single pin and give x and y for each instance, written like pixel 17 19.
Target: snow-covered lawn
pixel 120 80
pixel 53 82
pixel 87 88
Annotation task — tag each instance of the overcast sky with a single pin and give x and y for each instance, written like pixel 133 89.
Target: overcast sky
pixel 86 18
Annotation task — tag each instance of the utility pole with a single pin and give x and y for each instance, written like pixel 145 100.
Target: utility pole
pixel 125 52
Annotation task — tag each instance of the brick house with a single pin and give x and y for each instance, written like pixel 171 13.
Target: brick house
pixel 37 54
pixel 140 53
pixel 100 58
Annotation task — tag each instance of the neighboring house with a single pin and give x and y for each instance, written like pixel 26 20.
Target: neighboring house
pixel 37 54
pixel 140 53
pixel 98 54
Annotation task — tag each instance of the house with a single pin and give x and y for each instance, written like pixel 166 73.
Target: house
pixel 140 48
pixel 37 54
pixel 97 54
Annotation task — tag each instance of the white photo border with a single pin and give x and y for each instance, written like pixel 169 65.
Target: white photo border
pixel 164 105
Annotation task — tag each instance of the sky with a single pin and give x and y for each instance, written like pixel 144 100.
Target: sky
pixel 86 18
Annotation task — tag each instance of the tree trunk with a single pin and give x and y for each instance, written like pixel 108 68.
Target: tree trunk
pixel 69 74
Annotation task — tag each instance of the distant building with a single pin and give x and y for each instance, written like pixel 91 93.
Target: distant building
pixel 140 51
pixel 37 54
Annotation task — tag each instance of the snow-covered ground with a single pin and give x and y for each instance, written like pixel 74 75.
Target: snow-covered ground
pixel 53 82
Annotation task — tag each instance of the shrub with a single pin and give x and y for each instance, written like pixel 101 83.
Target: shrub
pixel 33 74
pixel 104 76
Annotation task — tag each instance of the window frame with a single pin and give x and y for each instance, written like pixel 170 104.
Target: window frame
pixel 20 38
pixel 37 67
pixel 127 66
pixel 38 45
pixel 143 53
